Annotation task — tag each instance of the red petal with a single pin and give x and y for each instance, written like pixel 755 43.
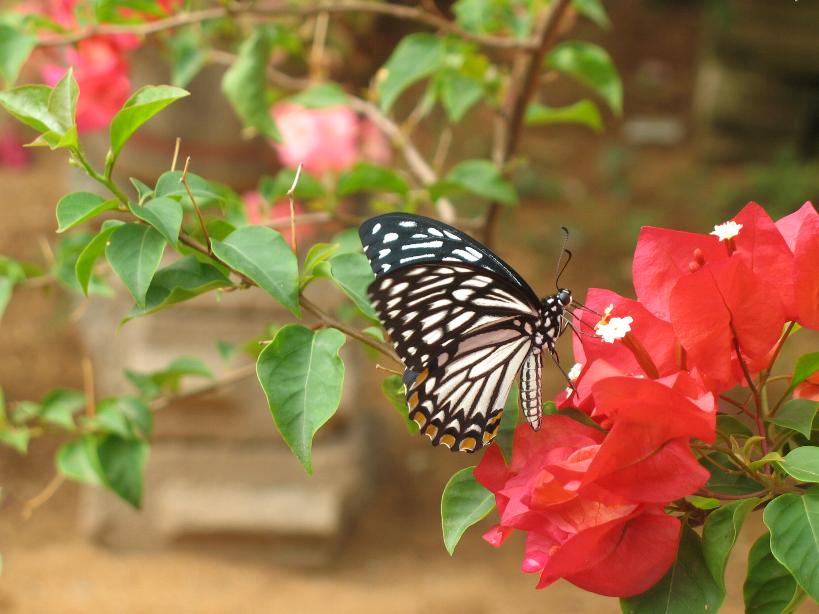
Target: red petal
pixel 762 248
pixel 492 471
pixel 789 225
pixel 806 259
pixel 646 415
pixel 646 548
pixel 662 257
pixel 497 535
pixel 656 336
pixel 667 474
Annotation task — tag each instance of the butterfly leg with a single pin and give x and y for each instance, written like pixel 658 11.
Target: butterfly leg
pixel 556 360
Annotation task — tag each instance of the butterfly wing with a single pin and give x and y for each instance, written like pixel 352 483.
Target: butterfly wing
pixel 463 332
pixel 428 309
pixel 458 399
pixel 399 240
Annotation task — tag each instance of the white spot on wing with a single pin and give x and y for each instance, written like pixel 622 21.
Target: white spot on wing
pixel 452 236
pixel 390 236
pixel 376 228
pixel 411 258
pixel 426 245
pixel 435 232
pixel 385 267
pixel 407 224
pixel 463 294
pixel 468 256
pixel 384 252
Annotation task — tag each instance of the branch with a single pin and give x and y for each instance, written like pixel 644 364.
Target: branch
pixel 418 166
pixel 523 84
pixel 228 379
pixel 280 9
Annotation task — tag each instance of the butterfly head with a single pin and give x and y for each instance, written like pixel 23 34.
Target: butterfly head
pixel 564 296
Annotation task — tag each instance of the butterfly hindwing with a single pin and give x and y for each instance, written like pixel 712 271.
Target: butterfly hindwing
pixel 458 399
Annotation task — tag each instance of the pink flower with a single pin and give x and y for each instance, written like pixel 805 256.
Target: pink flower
pixel 102 76
pixel 12 152
pixel 326 140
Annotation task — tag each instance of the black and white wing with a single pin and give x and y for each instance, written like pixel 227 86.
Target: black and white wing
pixel 398 240
pixel 463 333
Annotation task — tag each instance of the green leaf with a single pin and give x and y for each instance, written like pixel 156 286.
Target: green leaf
pixel 275 188
pixel 396 393
pixel 769 587
pixel 180 281
pixel 797 415
pixel 302 374
pixel 67 253
pixel 478 177
pixel 169 184
pixel 367 177
pixel 29 105
pixel 687 588
pixel 803 464
pixel 729 425
pixel 168 380
pixel 806 366
pixel 726 483
pixel 134 252
pixel 6 289
pixel 583 112
pixel 164 214
pixel 59 406
pixel 591 65
pixel 769 458
pixel 15 47
pixel 459 93
pixel 352 274
pixel 264 256
pixel 703 503
pixel 144 192
pixel 77 207
pixel 122 462
pixel 321 96
pixel 318 253
pixel 84 266
pixel 794 524
pixel 62 104
pixel 16 437
pixel 245 82
pixel 464 502
pixel 720 534
pixel 187 56
pixel 416 56
pixel 143 104
pixel 126 417
pixel 508 424
pixel 594 10
pixel 78 460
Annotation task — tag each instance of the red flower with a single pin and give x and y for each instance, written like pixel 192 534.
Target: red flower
pixel 598 533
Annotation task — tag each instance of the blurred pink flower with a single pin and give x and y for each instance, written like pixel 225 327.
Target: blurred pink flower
pixel 326 140
pixel 102 76
pixel 12 152
pixel 259 212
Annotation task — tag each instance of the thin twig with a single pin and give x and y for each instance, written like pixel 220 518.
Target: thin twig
pixel 521 89
pixel 226 380
pixel 43 496
pixel 316 61
pixel 290 194
pixel 175 153
pixel 347 330
pixel 276 8
pixel 184 181
pixel 718 495
pixel 387 369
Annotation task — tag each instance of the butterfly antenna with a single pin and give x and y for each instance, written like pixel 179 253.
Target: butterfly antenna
pixel 578 305
pixel 559 269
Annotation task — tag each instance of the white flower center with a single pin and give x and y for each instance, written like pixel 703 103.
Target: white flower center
pixel 614 329
pixel 728 230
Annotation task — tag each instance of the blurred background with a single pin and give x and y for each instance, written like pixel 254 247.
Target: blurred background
pixel 721 106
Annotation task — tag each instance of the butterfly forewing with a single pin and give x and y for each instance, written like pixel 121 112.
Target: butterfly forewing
pixel 399 240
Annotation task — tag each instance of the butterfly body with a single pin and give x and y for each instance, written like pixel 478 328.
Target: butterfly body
pixel 463 322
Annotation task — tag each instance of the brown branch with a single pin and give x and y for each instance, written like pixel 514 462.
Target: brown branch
pixel 43 496
pixel 184 181
pixel 521 89
pixel 280 9
pixel 226 380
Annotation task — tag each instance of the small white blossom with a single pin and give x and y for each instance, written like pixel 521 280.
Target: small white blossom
pixel 728 230
pixel 615 328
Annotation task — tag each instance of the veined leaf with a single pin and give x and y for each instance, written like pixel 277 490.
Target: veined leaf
pixel 77 207
pixel 122 462
pixel 797 415
pixel 84 266
pixel 416 56
pixel 591 65
pixel 720 534
pixel 769 587
pixel 15 47
pixel 164 214
pixel 302 375
pixel 464 502
pixel 803 464
pixel 134 252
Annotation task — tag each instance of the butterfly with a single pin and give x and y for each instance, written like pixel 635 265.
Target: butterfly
pixel 464 324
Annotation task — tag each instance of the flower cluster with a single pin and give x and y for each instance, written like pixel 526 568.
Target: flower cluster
pixel 99 62
pixel 710 312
